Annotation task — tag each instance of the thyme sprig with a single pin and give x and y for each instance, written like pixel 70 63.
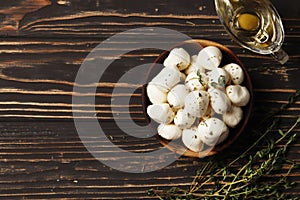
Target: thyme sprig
pixel 256 178
pixel 200 77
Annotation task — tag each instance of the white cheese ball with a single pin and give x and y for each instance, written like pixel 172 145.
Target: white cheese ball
pixel 196 81
pixel 238 95
pixel 235 72
pixel 209 57
pixel 166 78
pixel 212 131
pixel 178 57
pixel 183 119
pixel 196 103
pixel 176 96
pixel 219 101
pixel 155 94
pixel 191 139
pixel 233 116
pixel 169 131
pixel 161 113
pixel 218 78
pixel 194 66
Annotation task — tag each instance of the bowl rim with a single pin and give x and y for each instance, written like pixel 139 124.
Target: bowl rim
pixel 179 149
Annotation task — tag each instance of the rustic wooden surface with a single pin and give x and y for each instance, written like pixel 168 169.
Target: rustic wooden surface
pixel 42 45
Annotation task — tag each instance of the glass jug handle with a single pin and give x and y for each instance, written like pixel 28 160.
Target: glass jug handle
pixel 281 56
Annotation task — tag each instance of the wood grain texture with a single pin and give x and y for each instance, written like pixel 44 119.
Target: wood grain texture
pixel 42 45
pixel 12 13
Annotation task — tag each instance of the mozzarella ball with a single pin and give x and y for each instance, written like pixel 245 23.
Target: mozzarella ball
pixel 233 116
pixel 169 131
pixel 166 78
pixel 191 139
pixel 178 57
pixel 194 66
pixel 238 95
pixel 219 101
pixel 195 81
pixel 209 57
pixel 183 119
pixel 196 103
pixel 176 96
pixel 211 130
pixel 161 113
pixel 155 94
pixel 218 78
pixel 235 72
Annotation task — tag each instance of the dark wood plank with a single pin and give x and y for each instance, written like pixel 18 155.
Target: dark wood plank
pixel 43 44
pixel 41 160
pixel 35 89
pixel 104 18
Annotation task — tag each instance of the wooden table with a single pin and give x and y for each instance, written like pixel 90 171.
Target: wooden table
pixel 43 44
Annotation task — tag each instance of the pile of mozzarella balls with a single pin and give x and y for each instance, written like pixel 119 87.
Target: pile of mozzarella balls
pixel 196 99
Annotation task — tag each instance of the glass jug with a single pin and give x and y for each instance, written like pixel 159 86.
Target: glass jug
pixel 255 25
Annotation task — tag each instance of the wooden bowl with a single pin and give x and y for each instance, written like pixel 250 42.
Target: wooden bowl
pixel 193 47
